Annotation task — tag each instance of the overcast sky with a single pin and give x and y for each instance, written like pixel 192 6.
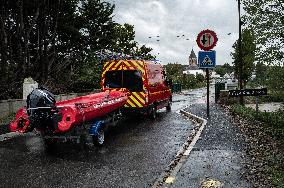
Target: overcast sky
pixel 171 18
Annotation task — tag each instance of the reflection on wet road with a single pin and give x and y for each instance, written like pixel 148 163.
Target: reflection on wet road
pixel 136 152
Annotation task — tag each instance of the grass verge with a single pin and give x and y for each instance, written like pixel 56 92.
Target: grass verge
pixel 265 137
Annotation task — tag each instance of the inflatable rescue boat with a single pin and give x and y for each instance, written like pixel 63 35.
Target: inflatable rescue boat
pixel 50 117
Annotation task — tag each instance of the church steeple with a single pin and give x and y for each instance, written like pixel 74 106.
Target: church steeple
pixel 192 54
pixel 192 59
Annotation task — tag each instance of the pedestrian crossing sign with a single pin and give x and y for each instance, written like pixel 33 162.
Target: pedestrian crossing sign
pixel 206 59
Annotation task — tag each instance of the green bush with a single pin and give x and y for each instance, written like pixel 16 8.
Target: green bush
pixel 273 97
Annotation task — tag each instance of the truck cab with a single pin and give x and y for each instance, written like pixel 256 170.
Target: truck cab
pixel 145 81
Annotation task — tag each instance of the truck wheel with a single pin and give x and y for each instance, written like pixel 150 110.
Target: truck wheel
pixel 153 112
pixel 169 106
pixel 99 139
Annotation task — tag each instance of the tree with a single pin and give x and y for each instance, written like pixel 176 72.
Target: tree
pixel 28 32
pixel 274 81
pixel 188 81
pixel 174 71
pixel 248 47
pixel 220 70
pixel 261 73
pixel 144 52
pixel 265 17
pixel 223 69
pixel 124 39
pixel 200 78
pixel 228 68
pixel 56 43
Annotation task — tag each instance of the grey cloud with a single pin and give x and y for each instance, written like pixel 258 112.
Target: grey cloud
pixel 170 18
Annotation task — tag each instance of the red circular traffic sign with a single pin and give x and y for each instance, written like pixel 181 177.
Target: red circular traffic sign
pixel 207 40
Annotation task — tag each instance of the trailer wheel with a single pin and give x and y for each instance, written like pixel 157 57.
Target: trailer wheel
pixel 153 112
pixel 99 139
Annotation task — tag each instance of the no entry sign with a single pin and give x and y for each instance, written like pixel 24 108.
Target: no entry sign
pixel 207 40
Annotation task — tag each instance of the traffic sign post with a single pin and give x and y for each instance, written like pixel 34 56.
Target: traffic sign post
pixel 207 40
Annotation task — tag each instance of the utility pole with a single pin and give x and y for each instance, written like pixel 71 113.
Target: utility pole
pixel 240 54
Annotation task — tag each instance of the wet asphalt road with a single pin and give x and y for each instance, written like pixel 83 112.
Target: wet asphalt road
pixel 135 154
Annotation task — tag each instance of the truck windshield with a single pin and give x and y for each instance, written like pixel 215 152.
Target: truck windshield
pixel 130 79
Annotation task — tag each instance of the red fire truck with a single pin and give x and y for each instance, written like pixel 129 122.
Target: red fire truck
pixel 145 80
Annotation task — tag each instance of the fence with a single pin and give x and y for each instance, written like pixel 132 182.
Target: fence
pixel 10 106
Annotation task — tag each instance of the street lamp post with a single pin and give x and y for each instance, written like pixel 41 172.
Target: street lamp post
pixel 240 53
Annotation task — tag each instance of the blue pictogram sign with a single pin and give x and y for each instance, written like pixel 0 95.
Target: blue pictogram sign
pixel 206 59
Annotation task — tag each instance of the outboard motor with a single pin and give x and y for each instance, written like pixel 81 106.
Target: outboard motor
pixel 41 109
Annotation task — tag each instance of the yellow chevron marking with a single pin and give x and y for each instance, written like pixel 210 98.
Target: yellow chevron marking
pixel 127 64
pixel 143 94
pixel 141 63
pixel 115 66
pixel 129 67
pixel 126 106
pixel 136 102
pixel 108 67
pixel 138 66
pixel 118 63
pixel 106 64
pixel 131 104
pixel 140 99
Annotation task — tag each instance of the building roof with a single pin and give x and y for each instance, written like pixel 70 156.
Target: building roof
pixel 192 54
pixel 226 75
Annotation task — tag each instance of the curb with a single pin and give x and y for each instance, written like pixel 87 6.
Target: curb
pixel 168 176
pixel 8 136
